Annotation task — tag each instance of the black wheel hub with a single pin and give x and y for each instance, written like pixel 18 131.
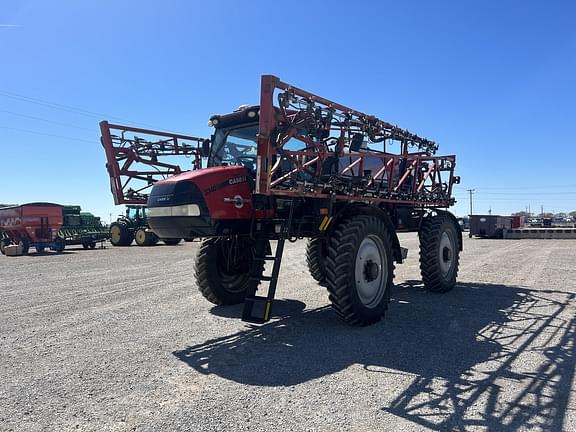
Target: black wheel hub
pixel 370 271
pixel 446 254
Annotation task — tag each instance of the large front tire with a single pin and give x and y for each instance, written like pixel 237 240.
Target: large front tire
pixel 144 237
pixel 223 267
pixel 439 253
pixel 360 270
pixel 316 252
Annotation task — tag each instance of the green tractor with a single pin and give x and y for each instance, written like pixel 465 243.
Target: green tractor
pixel 133 226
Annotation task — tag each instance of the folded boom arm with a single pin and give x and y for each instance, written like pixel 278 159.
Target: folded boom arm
pixel 137 158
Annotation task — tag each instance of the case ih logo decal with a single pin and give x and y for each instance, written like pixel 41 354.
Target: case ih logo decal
pixel 237 180
pixel 229 182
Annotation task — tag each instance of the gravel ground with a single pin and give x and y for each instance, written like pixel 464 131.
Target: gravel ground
pixel 120 339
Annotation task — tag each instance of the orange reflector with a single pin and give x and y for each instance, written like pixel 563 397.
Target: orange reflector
pixel 323 211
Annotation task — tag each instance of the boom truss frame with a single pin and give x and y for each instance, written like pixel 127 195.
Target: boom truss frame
pixel 337 136
pixel 135 163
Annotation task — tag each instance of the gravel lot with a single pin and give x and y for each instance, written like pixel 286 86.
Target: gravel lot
pixel 120 339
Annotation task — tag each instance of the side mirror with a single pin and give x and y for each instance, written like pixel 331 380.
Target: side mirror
pixel 205 149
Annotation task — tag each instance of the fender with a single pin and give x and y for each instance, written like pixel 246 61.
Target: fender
pixel 371 210
pixel 456 224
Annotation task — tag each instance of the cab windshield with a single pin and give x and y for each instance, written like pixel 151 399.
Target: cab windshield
pixel 136 212
pixel 234 147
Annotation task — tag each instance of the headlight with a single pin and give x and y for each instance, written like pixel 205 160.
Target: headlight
pixel 186 210
pixel 181 210
pixel 159 211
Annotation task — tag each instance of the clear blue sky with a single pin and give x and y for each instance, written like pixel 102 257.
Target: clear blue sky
pixel 492 81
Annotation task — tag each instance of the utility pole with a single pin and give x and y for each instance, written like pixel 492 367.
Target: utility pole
pixel 542 210
pixel 471 191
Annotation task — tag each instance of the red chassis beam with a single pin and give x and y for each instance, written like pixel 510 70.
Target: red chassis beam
pixel 364 173
pixel 136 162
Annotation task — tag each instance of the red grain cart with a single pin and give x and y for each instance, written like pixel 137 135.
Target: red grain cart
pixel 32 225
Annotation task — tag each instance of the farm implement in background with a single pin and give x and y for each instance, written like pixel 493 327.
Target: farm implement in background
pixel 82 228
pixel 31 225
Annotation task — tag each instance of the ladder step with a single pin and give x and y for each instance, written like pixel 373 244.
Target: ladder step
pixel 262 278
pixel 256 309
pixel 266 258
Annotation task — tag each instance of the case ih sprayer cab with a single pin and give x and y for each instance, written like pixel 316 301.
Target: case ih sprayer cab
pixel 300 166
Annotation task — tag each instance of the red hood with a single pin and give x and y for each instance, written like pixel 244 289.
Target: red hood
pixel 196 174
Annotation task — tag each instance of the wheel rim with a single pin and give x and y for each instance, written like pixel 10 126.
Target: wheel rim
pixel 446 254
pixel 140 237
pixel 371 271
pixel 115 234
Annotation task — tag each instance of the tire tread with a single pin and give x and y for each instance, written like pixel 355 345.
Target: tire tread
pixel 339 263
pixel 429 235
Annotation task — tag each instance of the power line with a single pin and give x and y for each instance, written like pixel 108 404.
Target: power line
pixel 66 108
pixel 527 193
pixel 523 195
pixel 47 134
pixel 520 199
pixel 512 188
pixel 46 120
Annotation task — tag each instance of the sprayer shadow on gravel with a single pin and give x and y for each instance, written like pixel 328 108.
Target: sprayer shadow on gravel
pixel 460 347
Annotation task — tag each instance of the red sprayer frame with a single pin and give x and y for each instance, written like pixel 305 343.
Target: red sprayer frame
pixel 415 178
pixel 135 163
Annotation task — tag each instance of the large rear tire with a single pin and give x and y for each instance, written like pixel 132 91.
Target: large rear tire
pixel 120 235
pixel 360 270
pixel 222 269
pixel 439 253
pixel 316 253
